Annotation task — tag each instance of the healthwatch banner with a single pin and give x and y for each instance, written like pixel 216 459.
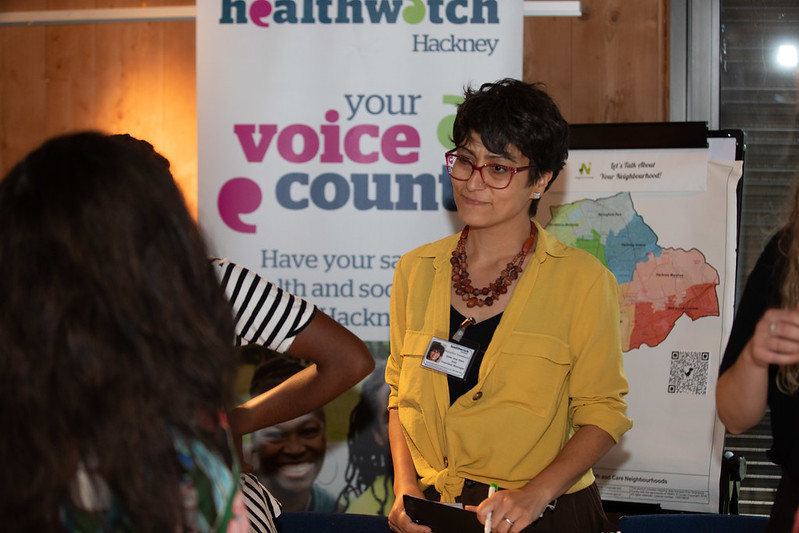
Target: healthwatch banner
pixel 322 128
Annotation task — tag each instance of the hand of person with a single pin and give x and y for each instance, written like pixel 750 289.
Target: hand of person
pixel 776 338
pixel 513 509
pixel 398 519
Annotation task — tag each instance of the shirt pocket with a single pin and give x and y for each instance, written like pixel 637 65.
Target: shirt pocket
pixel 413 380
pixel 532 373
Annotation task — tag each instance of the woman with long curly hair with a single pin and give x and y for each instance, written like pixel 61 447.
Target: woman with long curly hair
pixel 369 476
pixel 117 360
pixel 760 367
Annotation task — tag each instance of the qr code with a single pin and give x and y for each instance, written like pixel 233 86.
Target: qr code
pixel 688 372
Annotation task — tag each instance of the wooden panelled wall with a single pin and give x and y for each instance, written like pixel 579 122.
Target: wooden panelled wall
pixel 610 65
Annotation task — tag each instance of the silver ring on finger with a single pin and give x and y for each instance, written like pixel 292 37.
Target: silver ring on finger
pixel 772 328
pixel 508 520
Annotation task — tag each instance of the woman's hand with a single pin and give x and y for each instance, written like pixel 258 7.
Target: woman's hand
pixel 398 519
pixel 776 339
pixel 513 509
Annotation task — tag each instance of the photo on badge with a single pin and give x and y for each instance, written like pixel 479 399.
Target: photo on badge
pixel 450 358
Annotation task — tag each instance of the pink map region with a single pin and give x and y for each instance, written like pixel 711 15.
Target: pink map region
pixel 663 289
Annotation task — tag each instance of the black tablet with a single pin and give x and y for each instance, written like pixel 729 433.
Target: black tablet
pixel 440 517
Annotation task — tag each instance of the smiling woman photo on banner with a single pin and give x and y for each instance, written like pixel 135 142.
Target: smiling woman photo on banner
pixel 288 456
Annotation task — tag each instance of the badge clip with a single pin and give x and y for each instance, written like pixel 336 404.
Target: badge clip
pixel 462 329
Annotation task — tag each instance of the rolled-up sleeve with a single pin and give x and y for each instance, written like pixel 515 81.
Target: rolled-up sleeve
pixel 598 383
pixel 396 333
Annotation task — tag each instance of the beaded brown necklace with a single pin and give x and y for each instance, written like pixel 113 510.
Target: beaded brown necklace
pixel 463 285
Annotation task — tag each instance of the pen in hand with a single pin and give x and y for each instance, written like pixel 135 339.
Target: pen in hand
pixel 491 490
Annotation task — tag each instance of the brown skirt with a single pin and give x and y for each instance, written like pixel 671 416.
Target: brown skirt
pixel 579 512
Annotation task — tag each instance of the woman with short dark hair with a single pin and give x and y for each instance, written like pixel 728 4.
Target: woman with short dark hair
pixel 532 393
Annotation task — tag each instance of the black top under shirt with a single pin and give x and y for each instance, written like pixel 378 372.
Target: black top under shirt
pixel 480 333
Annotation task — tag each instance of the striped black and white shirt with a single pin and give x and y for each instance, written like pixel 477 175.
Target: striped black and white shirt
pixel 262 507
pixel 265 314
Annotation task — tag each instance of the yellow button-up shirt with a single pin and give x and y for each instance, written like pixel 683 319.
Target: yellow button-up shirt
pixel 554 364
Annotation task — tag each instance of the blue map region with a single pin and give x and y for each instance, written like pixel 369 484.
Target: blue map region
pixel 630 246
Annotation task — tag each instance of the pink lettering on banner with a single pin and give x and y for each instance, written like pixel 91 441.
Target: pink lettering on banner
pixel 259 10
pixel 309 143
pixel 300 143
pixel 330 132
pixel 246 133
pixel 238 196
pixel 352 143
pixel 400 136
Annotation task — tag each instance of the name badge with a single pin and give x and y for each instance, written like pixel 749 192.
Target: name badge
pixel 448 357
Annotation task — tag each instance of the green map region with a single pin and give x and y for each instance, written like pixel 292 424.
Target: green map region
pixel 656 285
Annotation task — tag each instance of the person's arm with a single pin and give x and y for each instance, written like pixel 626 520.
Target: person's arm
pixel 267 315
pixel 340 360
pixel 597 386
pixel 523 506
pixel 742 390
pixel 404 478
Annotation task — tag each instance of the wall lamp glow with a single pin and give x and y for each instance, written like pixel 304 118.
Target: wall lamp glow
pixel 787 56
